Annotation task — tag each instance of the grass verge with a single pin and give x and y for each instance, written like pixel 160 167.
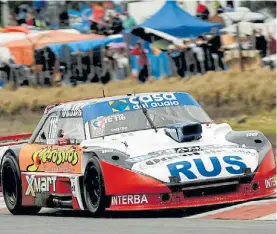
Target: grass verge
pixel 265 121
pixel 250 90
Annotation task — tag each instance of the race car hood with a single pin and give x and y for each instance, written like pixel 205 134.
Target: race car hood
pixel 142 142
pixel 161 157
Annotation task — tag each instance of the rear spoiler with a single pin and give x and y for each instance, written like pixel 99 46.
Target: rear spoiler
pixel 14 139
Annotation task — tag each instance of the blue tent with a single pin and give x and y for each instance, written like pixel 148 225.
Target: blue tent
pixel 85 45
pixel 173 20
pixel 39 4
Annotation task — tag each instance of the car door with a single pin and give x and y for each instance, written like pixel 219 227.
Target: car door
pixel 50 152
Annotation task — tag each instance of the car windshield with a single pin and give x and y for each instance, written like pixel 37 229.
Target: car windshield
pixel 136 120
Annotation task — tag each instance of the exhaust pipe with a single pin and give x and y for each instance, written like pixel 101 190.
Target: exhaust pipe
pixel 60 203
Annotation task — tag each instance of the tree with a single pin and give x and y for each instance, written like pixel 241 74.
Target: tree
pixel 257 6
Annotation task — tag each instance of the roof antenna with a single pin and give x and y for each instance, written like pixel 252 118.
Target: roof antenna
pixel 103 92
pixel 134 92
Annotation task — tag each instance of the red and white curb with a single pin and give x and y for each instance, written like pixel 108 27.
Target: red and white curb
pixel 268 217
pixel 253 210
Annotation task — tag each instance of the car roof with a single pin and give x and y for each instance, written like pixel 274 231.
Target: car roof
pixel 83 103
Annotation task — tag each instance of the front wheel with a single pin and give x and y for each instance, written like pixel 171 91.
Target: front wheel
pixel 94 189
pixel 12 190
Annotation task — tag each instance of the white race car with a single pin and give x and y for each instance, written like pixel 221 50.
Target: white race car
pixel 134 152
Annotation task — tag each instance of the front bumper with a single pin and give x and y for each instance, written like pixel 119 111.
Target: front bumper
pixel 137 192
pixel 178 200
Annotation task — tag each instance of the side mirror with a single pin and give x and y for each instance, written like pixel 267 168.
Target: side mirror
pixel 60 133
pixel 43 137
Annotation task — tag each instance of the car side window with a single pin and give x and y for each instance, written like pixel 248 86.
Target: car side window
pixel 48 132
pixel 71 130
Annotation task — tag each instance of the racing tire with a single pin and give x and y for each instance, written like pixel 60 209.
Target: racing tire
pixel 94 189
pixel 12 188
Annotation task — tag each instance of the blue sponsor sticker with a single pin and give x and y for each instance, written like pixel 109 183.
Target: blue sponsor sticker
pixel 98 124
pixel 119 105
pixel 131 103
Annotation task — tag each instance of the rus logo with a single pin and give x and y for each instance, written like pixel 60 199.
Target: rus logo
pixel 186 169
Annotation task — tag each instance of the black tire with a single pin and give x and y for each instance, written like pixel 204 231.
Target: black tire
pixel 94 189
pixel 12 189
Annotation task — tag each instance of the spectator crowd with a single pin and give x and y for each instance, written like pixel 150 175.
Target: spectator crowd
pixel 193 56
pixel 198 56
pixel 110 22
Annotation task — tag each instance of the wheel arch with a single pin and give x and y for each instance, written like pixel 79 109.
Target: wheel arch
pixel 12 153
pixel 88 156
pixel 7 152
pixel 109 155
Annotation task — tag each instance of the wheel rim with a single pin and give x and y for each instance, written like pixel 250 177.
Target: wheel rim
pixel 93 186
pixel 10 185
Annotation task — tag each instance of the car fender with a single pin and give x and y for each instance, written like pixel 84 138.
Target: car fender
pixel 3 150
pixel 114 162
pixel 110 155
pixel 251 139
pixel 14 151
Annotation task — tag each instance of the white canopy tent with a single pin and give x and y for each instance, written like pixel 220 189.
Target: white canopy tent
pixel 12 36
pixel 6 56
pixel 246 28
pixel 174 40
pixel 6 37
pixel 234 17
pixel 242 9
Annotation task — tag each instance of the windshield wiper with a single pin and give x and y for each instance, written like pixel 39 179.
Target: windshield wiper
pixel 145 112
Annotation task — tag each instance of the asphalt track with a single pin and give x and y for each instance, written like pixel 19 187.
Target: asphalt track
pixel 69 222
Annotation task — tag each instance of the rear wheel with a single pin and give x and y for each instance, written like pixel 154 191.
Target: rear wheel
pixel 12 190
pixel 94 189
